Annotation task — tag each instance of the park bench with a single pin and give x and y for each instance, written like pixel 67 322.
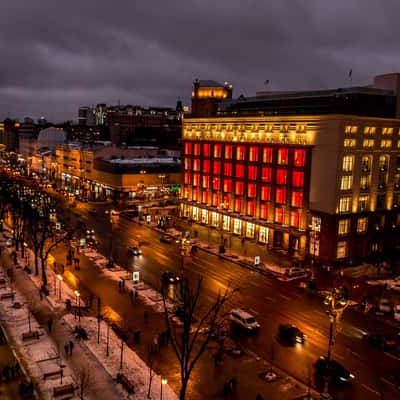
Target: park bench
pixel 7 295
pixel 51 374
pixel 30 335
pixel 63 390
pixel 126 383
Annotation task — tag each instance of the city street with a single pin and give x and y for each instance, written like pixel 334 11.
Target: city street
pixel 272 302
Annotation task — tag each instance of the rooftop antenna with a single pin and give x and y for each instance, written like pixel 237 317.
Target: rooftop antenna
pixel 350 74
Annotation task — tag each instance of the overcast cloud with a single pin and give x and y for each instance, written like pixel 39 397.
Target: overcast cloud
pixel 57 55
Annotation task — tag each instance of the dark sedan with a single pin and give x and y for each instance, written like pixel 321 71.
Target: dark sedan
pixel 336 371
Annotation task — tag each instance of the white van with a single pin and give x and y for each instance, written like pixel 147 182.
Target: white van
pixel 244 319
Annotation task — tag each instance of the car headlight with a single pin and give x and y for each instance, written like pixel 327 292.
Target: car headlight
pixel 351 376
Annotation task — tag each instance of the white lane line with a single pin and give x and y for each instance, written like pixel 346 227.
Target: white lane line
pixel 388 382
pixel 370 389
pixel 269 299
pixel 284 297
pixel 391 355
pixel 253 311
pixel 354 353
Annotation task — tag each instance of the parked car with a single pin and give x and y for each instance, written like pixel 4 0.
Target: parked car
pixel 378 340
pixel 134 250
pixel 384 306
pixel 396 312
pixel 338 373
pixel 165 239
pixel 294 271
pixel 169 277
pixel 291 334
pixel 244 319
pixel 92 211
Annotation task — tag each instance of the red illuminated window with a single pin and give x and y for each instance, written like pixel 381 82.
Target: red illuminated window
pixel 228 152
pixel 239 187
pixel 188 148
pixel 297 199
pixel 238 205
pixel 215 199
pixel 265 192
pixel 240 153
pixel 295 219
pixel 197 149
pixel 187 164
pixel 281 176
pixel 267 155
pixel 251 190
pixel 217 167
pixel 187 178
pixel 217 151
pixel 206 149
pixel 239 171
pixel 206 166
pixel 297 178
pixel 196 164
pixel 252 172
pixel 280 196
pixel 185 192
pixel 253 153
pixel 228 169
pixel 279 215
pixel 264 211
pixel 216 183
pixel 205 196
pixel 196 179
pixel 299 158
pixel 206 182
pixel 282 156
pixel 226 202
pixel 266 174
pixel 251 206
pixel 227 185
pixel 195 195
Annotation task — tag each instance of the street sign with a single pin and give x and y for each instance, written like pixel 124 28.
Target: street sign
pixel 58 226
pixel 256 260
pixel 136 276
pixel 82 242
pixel 148 218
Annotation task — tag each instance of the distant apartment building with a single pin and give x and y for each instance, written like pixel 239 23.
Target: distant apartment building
pixel 9 134
pixel 314 173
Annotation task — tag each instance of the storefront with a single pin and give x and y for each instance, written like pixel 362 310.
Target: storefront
pixel 250 230
pixel 263 234
pixel 215 219
pixel 226 223
pixel 237 226
pixel 204 216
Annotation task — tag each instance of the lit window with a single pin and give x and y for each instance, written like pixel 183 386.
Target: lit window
pixel 206 181
pixel 279 215
pixel 316 224
pixel 387 131
pixel 398 144
pixel 386 143
pixel 206 149
pixel 267 155
pixel 226 203
pixel 346 183
pixel 187 178
pixel 195 195
pixel 253 154
pixel 344 226
pixel 251 190
pixel 196 164
pixel 227 185
pixel 239 170
pixel 206 166
pixel 185 192
pixel 344 204
pixel 299 158
pixel 363 203
pixel 239 187
pixel 196 179
pixel 368 143
pixel 188 148
pixel 297 178
pixel 366 162
pixel 228 152
pixel 350 129
pixel 383 162
pixel 281 176
pixel 187 164
pixel 251 206
pixel 280 196
pixel 215 199
pixel 349 143
pixel 265 192
pixel 266 174
pixel 341 251
pixel 238 205
pixel 252 172
pixel 362 225
pixel 240 153
pixel 264 211
pixel 348 162
pixel 217 151
pixel 197 148
pixel 297 199
pixel 216 183
pixel 369 130
pixel 228 169
pixel 295 219
pixel 364 182
pixel 217 167
pixel 205 196
pixel 282 156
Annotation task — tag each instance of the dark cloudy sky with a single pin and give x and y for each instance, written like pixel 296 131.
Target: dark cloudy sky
pixel 56 55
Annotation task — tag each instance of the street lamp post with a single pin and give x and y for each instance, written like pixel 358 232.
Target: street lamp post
pixel 78 300
pixel 60 278
pixel 163 382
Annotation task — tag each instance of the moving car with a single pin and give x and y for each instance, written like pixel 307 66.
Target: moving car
pixel 244 319
pixel 294 271
pixel 169 277
pixel 134 250
pixel 384 306
pixel 378 340
pixel 291 334
pixel 165 239
pixel 338 373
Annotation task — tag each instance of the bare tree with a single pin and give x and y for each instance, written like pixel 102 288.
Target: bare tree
pixel 84 381
pixel 187 340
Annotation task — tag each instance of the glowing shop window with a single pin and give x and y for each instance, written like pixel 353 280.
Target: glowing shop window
pixel 250 228
pixel 297 199
pixel 251 190
pixel 228 152
pixel 279 215
pixel 187 164
pixel 237 226
pixel 263 234
pixel 266 193
pixel 226 221
pixel 196 164
pixel 281 176
pixel 297 178
pixel 204 216
pixel 206 166
pixel 227 185
pixel 215 219
pixel 216 183
pixel 299 158
pixel 238 205
pixel 295 219
pixel 341 251
pixel 251 206
pixel 228 169
pixel 252 172
pixel 206 181
pixel 280 196
pixel 264 211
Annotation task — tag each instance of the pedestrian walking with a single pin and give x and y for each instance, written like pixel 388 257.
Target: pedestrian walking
pixel 136 295
pixel 50 324
pixel 40 294
pixel 131 295
pixel 71 347
pixel 66 348
pixel 123 284
pixel 119 286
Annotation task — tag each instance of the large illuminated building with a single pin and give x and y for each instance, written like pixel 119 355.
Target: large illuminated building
pixel 314 173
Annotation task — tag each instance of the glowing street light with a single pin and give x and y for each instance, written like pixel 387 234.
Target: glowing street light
pixel 163 382
pixel 78 300
pixel 60 278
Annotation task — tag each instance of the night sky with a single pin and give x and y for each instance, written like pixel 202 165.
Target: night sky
pixel 57 55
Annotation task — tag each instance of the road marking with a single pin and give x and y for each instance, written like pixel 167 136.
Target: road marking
pixel 269 298
pixel 369 388
pixel 253 311
pixel 284 297
pixel 388 382
pixel 391 355
pixel 354 353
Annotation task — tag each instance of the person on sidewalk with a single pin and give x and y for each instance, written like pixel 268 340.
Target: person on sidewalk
pixel 71 347
pixel 50 324
pixel 146 316
pixel 66 348
pixel 119 286
pixel 131 295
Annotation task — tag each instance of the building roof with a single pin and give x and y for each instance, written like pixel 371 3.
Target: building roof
pixel 145 161
pixel 207 83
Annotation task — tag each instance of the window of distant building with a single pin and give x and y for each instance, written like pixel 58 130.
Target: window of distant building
pixel 196 164
pixel 240 153
pixel 206 166
pixel 187 164
pixel 281 176
pixel 196 179
pixel 363 203
pixel 187 178
pixel 297 178
pixel 227 185
pixel 346 182
pixel 188 148
pixel 239 188
pixel 283 156
pixel 386 143
pixel 362 225
pixel 350 129
pixel 280 196
pixel 253 153
pixel 368 143
pixel 238 205
pixel 364 182
pixel 217 167
pixel 228 152
pixel 297 199
pixel 267 155
pixel 228 169
pixel 349 143
pixel 369 130
pixel 295 219
pixel 266 193
pixel 264 211
pixel 216 183
pixel 206 149
pixel 205 197
pixel 239 170
pixel 251 206
pixel 279 215
pixel 344 204
pixel 215 199
pixel 383 162
pixel 387 131
pixel 252 172
pixel 266 174
pixel 195 195
pixel 251 190
pixel 344 226
pixel 217 151
pixel 206 181
pixel 197 149
pixel 366 162
pixel 348 162
pixel 299 158
pixel 341 251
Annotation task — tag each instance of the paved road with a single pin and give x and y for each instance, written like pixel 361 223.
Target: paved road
pixel 271 301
